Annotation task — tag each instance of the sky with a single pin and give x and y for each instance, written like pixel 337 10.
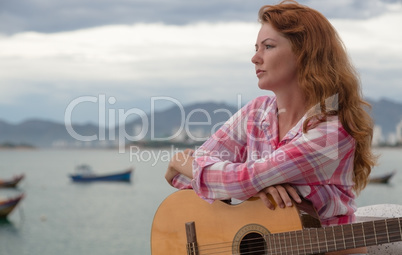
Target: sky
pixel 87 60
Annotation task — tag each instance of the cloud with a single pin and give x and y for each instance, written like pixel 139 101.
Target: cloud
pixel 197 61
pixel 375 48
pixel 142 53
pixel 192 63
pixel 353 9
pixel 50 16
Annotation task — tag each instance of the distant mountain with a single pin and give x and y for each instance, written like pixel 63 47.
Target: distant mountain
pixel 196 121
pixel 387 114
pixel 203 117
pixel 40 133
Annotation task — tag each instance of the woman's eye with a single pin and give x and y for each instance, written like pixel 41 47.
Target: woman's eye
pixel 268 46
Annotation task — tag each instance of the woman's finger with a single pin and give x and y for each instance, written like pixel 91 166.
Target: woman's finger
pixel 293 193
pixel 283 192
pixel 273 191
pixel 265 200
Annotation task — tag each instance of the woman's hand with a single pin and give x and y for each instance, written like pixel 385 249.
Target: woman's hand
pixel 171 173
pixel 281 194
pixel 188 152
pixel 181 163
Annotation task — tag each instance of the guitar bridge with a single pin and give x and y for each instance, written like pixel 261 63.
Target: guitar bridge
pixel 192 248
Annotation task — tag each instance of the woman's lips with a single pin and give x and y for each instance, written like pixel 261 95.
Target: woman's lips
pixel 259 72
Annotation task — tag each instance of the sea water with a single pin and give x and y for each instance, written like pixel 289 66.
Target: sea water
pixel 60 217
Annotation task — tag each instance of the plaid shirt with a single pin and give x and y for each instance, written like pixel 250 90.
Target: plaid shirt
pixel 245 155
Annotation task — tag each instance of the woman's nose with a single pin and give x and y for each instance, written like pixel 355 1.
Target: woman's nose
pixel 256 59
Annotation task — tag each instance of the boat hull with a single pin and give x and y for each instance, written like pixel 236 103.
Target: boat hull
pixel 122 177
pixel 12 183
pixel 7 206
pixel 382 179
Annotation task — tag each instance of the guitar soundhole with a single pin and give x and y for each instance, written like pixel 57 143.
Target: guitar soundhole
pixel 253 243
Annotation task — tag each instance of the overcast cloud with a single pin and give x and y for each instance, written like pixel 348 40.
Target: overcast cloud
pixel 49 16
pixel 53 52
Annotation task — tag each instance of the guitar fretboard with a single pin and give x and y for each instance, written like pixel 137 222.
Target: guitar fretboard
pixel 335 238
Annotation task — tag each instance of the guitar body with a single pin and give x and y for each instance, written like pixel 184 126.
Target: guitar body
pixel 186 224
pixel 219 227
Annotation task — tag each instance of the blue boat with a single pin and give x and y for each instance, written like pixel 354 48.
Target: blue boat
pixel 85 174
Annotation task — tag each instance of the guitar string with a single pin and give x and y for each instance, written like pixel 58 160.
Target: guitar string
pixel 260 248
pixel 229 245
pixel 287 250
pixel 290 248
pixel 258 240
pixel 397 234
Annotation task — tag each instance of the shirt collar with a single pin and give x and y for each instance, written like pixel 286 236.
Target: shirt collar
pixel 271 119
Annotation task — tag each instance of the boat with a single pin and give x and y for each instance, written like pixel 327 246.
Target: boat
pixel 84 173
pixel 11 183
pixel 8 205
pixel 383 178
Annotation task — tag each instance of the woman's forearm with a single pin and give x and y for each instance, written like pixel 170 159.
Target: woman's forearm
pixel 181 163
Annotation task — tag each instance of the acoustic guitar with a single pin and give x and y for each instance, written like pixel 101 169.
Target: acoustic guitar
pixel 186 224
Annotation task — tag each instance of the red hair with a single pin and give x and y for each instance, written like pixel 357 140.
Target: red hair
pixel 324 71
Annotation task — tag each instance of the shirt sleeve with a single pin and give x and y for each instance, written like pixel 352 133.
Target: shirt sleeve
pixel 230 139
pixel 181 181
pixel 311 158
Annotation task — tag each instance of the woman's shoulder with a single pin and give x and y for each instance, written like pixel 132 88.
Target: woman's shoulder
pixel 332 128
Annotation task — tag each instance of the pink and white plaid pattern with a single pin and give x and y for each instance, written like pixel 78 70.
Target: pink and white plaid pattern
pixel 245 155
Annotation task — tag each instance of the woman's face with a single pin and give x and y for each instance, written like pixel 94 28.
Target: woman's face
pixel 274 60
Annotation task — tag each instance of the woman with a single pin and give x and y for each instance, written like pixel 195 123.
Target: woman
pixel 313 138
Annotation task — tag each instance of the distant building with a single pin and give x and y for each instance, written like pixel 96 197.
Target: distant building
pixel 378 137
pixel 399 132
pixel 392 140
pixel 178 135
